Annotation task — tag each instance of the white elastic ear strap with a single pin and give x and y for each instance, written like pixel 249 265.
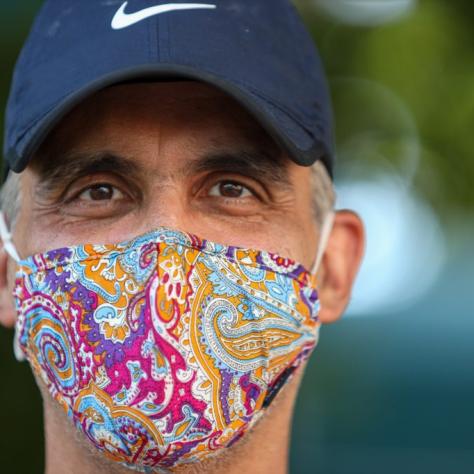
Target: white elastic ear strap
pixel 6 237
pixel 326 229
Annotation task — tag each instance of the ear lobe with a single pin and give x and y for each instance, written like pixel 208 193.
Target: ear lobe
pixel 340 265
pixel 7 309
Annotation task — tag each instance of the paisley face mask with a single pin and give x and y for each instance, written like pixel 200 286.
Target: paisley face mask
pixel 166 349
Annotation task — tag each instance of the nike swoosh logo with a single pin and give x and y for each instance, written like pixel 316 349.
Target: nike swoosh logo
pixel 124 20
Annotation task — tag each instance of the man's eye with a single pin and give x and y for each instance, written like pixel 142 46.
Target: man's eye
pixel 230 189
pixel 101 192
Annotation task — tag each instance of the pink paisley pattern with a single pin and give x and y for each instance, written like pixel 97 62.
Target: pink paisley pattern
pixel 165 349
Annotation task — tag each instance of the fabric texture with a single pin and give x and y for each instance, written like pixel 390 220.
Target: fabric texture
pixel 167 348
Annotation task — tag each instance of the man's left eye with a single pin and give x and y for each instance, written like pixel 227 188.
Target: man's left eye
pixel 101 192
pixel 230 189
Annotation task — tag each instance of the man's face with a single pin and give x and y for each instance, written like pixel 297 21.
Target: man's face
pixel 181 155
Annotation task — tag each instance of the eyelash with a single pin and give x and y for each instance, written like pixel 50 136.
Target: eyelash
pixel 233 182
pixel 256 189
pixel 104 185
pixel 76 195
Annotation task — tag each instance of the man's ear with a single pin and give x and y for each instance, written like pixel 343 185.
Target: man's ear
pixel 340 264
pixel 7 309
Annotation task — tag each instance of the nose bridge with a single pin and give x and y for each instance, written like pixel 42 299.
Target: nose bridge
pixel 166 203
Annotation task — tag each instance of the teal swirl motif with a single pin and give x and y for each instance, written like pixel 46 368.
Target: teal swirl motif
pixel 52 347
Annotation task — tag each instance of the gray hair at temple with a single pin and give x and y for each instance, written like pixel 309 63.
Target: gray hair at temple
pixel 10 198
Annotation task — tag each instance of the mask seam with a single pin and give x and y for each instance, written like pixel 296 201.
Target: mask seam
pixel 304 277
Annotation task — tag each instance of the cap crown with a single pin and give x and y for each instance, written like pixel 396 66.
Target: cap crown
pixel 257 50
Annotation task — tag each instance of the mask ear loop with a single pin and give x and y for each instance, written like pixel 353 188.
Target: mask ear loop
pixel 6 237
pixel 326 229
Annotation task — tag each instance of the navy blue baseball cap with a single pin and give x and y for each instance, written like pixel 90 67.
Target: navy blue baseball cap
pixel 257 51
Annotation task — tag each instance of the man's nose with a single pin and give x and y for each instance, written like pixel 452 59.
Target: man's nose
pixel 166 206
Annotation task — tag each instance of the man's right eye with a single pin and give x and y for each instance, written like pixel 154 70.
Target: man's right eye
pixel 101 192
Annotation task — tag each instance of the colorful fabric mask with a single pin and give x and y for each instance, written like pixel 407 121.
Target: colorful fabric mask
pixel 166 349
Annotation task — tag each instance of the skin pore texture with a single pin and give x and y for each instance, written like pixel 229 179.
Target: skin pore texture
pixel 182 155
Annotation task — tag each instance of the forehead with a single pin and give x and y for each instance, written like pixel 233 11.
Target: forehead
pixel 160 127
pixel 157 98
pixel 145 109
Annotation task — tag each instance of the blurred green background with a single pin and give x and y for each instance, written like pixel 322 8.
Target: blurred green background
pixel 390 387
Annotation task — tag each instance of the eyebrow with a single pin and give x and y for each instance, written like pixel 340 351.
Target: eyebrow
pixel 69 166
pixel 253 163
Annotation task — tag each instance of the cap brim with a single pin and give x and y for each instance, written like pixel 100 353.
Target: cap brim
pixel 301 146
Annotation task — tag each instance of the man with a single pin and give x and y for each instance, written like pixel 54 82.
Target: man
pixel 151 146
